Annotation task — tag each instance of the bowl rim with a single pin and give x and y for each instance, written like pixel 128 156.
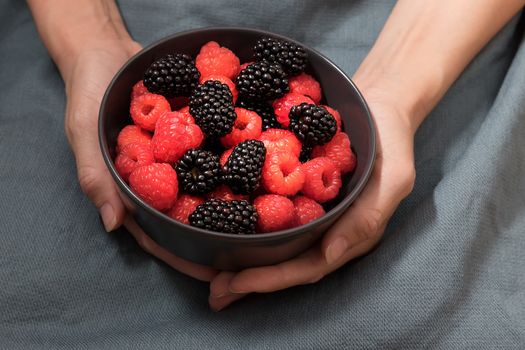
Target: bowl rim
pixel 254 238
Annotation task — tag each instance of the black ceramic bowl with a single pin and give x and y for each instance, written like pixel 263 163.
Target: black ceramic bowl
pixel 228 251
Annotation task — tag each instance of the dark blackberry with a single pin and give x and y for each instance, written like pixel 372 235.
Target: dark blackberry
pixel 211 104
pixel 312 124
pixel 263 109
pixel 306 152
pixel 172 75
pixel 242 171
pixel 198 171
pixel 290 56
pixel 237 216
pixel 262 81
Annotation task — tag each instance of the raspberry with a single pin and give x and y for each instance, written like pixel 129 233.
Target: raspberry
pixel 283 105
pixel 244 65
pixel 323 179
pixel 264 110
pixel 306 210
pixel 226 194
pixel 313 125
pixel 183 207
pixel 156 184
pixel 225 156
pixel 130 134
pixel 291 56
pixel 216 60
pixel 282 174
pixel 275 213
pixel 276 140
pixel 248 125
pixel 147 108
pixel 198 171
pixel 172 75
pixel 336 116
pixel 178 102
pixel 132 156
pixel 225 81
pixel 225 216
pixel 174 135
pixel 186 112
pixel 138 89
pixel 262 81
pixel 242 171
pixel 306 85
pixel 338 150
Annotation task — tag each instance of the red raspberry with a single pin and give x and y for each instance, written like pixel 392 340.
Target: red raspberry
pixel 275 213
pixel 130 134
pixel 305 84
pixel 244 65
pixel 216 60
pixel 139 89
pixel 174 135
pixel 156 184
pixel 225 193
pixel 184 207
pixel 224 157
pixel 147 108
pixel 306 210
pixel 186 112
pixel 336 116
pixel 282 106
pixel 279 140
pixel 338 150
pixel 132 156
pixel 323 179
pixel 178 102
pixel 282 173
pixel 248 125
pixel 225 81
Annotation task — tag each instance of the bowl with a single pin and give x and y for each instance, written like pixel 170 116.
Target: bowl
pixel 220 250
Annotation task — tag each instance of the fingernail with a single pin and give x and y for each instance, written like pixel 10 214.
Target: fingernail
pixel 336 250
pixel 108 216
pixel 234 291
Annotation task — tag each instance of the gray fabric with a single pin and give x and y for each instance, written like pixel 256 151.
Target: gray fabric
pixel 449 273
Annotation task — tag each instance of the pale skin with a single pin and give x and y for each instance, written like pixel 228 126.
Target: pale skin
pixel 415 52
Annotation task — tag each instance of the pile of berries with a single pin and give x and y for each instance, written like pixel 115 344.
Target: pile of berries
pixel 231 147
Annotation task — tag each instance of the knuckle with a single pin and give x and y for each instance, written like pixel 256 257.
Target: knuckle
pixel 370 225
pixel 88 178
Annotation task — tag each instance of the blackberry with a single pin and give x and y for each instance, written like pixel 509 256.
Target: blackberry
pixel 306 152
pixel 264 110
pixel 198 171
pixel 290 56
pixel 262 81
pixel 211 104
pixel 172 75
pixel 312 124
pixel 237 216
pixel 242 171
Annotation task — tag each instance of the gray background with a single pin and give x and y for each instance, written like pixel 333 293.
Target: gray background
pixel 449 273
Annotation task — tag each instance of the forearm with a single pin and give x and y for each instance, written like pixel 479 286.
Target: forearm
pixel 424 47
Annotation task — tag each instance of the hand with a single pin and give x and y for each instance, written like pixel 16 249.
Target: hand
pixel 356 232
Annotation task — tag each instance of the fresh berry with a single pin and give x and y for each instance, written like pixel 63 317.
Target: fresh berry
pixel 306 153
pixel 339 151
pixel 216 60
pixel 224 193
pixel 178 102
pixel 198 171
pixel 234 216
pixel 323 179
pixel 183 207
pixel 225 81
pixel 313 125
pixel 174 135
pixel 290 55
pixel 275 213
pixel 138 89
pixel 262 81
pixel 263 109
pixel 279 140
pixel 336 116
pixel 132 156
pixel 306 210
pixel 242 171
pixel 172 75
pixel 156 184
pixel 282 173
pixel 147 108
pixel 248 125
pixel 130 134
pixel 283 105
pixel 305 84
pixel 246 64
pixel 186 112
pixel 211 105
pixel 225 156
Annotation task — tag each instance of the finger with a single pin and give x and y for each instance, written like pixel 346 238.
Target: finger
pixel 220 295
pixel 200 272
